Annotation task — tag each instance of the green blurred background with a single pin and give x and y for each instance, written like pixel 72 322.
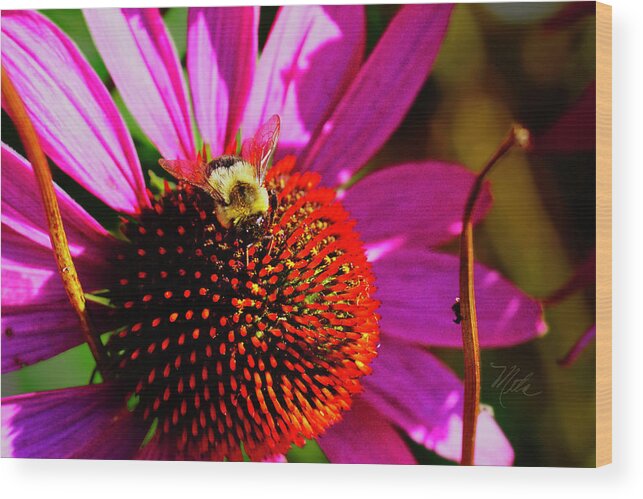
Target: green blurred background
pixel 500 63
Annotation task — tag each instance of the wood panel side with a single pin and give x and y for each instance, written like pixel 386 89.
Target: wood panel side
pixel 603 234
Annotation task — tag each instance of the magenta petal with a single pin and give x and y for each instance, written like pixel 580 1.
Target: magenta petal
pixel 364 436
pixel 31 334
pixel 424 398
pixel 28 271
pixel 23 211
pixel 418 288
pixel 382 92
pixel 221 60
pixel 142 60
pixel 426 202
pixel 313 52
pixel 89 422
pixel 37 319
pixel 72 111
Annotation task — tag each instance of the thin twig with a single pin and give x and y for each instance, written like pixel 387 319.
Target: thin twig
pixel 517 135
pixel 66 268
pixel 578 347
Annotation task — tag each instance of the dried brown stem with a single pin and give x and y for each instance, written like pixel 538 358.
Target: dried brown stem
pixel 470 344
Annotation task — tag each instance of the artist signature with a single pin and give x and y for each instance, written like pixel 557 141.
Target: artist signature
pixel 510 380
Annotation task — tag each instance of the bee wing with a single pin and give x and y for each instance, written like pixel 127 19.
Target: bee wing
pixel 192 172
pixel 258 150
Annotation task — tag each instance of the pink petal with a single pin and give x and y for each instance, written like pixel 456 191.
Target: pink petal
pixel 221 60
pixel 575 130
pixel 37 319
pixel 143 62
pixel 23 211
pixel 364 436
pixel 29 271
pixel 88 422
pixel 423 201
pixel 35 267
pixel 418 288
pixel 313 52
pixel 72 111
pixel 378 98
pixel 26 240
pixel 424 398
pixel 37 333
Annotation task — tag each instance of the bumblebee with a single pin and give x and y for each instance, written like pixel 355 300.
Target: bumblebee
pixel 236 183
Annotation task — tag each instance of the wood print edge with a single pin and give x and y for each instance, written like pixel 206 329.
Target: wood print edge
pixel 603 234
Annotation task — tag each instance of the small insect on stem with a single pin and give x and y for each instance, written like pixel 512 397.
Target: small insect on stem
pixel 457 311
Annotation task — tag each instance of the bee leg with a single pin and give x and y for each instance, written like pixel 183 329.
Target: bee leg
pixel 272 242
pixel 274 204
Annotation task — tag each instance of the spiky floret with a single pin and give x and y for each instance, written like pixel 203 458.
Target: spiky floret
pixel 231 347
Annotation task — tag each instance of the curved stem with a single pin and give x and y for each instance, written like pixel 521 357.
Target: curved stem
pixel 578 347
pixel 472 379
pixel 66 268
